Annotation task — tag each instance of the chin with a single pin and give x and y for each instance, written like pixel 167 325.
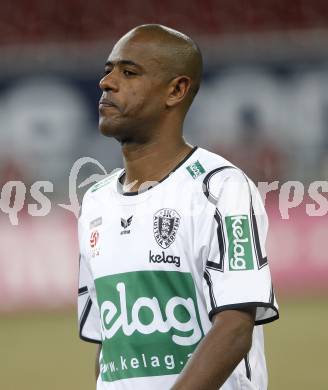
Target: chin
pixel 108 128
pixel 113 130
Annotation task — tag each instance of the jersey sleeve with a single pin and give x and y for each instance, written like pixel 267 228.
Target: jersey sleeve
pixel 237 274
pixel 88 311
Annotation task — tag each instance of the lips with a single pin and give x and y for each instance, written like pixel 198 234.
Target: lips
pixel 107 103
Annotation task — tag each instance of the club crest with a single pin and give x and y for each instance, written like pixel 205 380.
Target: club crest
pixel 166 224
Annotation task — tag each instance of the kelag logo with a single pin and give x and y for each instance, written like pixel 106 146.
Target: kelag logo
pixel 240 250
pixel 150 323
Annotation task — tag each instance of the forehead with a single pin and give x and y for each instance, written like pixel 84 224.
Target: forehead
pixel 142 51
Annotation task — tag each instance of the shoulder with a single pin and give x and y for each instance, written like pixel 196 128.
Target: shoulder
pixel 212 158
pixel 105 182
pixel 221 174
pixel 99 190
pixel 215 164
pixel 228 188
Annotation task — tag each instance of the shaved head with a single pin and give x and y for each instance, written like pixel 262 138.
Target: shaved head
pixel 176 53
pixel 151 77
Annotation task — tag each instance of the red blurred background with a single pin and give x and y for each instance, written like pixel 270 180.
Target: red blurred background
pixel 263 105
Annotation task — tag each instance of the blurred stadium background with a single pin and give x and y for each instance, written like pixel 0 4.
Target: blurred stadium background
pixel 263 104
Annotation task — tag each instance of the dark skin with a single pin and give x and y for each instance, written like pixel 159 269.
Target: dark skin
pixel 216 356
pixel 220 351
pixel 151 77
pixel 149 112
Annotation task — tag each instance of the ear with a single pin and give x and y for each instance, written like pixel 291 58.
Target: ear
pixel 178 90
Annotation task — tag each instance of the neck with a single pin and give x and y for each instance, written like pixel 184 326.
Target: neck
pixel 152 161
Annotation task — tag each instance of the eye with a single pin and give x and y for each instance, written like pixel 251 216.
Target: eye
pixel 128 73
pixel 106 72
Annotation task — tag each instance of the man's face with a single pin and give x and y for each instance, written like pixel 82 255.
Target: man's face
pixel 134 90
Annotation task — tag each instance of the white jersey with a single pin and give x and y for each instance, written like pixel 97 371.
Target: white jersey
pixel 157 265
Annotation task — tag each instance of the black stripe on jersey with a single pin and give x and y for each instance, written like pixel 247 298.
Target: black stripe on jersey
pixel 208 279
pixel 83 290
pixel 208 177
pixel 86 310
pixel 222 247
pixel 85 313
pixel 245 305
pixel 272 295
pixel 84 317
pixel 261 261
pixel 248 368
pixel 90 340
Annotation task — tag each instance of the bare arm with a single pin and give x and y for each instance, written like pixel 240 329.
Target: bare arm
pixel 225 345
pixel 97 369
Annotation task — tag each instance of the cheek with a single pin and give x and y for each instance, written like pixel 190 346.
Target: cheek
pixel 142 100
pixel 137 101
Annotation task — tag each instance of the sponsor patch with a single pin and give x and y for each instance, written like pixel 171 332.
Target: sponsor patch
pixel 239 239
pixel 150 323
pixel 163 258
pixel 166 223
pixel 94 241
pixel 196 169
pixel 94 238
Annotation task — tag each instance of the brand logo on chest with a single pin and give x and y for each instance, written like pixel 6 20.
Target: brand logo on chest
pixel 125 223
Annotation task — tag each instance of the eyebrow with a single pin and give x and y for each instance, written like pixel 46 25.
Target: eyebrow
pixel 123 62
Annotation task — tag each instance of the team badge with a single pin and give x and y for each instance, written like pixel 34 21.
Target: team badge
pixel 166 224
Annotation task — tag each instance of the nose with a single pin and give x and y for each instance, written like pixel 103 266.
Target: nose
pixel 109 83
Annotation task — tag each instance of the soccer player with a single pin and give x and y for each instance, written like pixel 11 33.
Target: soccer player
pixel 174 279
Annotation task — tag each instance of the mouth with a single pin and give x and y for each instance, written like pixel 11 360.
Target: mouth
pixel 106 103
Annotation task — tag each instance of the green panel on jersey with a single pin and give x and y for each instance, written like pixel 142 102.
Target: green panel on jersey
pixel 150 323
pixel 196 169
pixel 239 243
